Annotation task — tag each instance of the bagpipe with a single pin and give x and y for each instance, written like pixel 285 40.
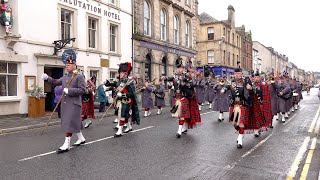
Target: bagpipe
pixel 155 92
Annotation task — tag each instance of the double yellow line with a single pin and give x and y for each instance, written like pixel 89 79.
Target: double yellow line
pixel 314 127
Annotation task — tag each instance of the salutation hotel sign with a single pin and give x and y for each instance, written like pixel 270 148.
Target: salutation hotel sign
pixel 92 8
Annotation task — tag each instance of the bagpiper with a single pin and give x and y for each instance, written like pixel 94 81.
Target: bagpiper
pixel 147 101
pixel 240 102
pixel 126 101
pixel 210 94
pixel 186 105
pixel 221 100
pixel 88 100
pixel 274 97
pixel 74 87
pixel 159 92
pixel 283 92
pixel 199 85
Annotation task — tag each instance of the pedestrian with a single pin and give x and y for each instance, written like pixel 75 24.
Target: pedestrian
pixel 147 101
pixel 58 90
pixel 160 95
pixel 71 100
pixel 102 98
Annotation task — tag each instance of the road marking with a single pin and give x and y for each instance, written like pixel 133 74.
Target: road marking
pixel 295 166
pixel 91 142
pixel 290 119
pixel 256 146
pixel 316 131
pixel 306 166
pixel 314 121
pixel 207 113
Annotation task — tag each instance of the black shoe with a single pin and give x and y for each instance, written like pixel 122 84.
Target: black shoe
pixel 239 146
pixel 60 151
pixel 185 131
pixel 219 120
pixel 270 126
pixel 83 142
pixel 117 135
pixel 115 128
pixel 178 135
pixel 256 135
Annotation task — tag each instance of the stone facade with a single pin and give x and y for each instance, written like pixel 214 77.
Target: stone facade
pixel 156 43
pixel 246 48
pixel 218 41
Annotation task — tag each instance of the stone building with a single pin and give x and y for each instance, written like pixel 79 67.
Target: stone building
pixel 102 32
pixel 246 48
pixel 219 43
pixel 164 31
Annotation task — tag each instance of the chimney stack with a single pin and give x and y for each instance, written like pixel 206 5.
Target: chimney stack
pixel 231 17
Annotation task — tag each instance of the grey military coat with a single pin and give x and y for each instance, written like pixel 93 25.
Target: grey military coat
pixel 147 101
pixel 200 90
pixel 71 103
pixel 161 91
pixel 221 100
pixel 210 90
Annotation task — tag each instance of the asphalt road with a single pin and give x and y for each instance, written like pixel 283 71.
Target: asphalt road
pixel 152 150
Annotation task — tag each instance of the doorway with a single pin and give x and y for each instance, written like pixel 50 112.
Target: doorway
pixel 55 73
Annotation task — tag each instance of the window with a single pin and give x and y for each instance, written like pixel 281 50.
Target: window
pixel 92 30
pixel 237 41
pixel 164 66
pixel 113 75
pixel 224 32
pixel 188 2
pixel 233 38
pixel 176 29
pixel 228 58
pixel 238 59
pixel 113 38
pixel 147 18
pixel 163 21
pixel 148 67
pixel 210 33
pixel 233 62
pixel 188 34
pixel 112 1
pixel 8 79
pixel 210 56
pixel 224 56
pixel 66 24
pixel 228 36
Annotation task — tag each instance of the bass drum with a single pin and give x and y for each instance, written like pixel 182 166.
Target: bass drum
pixel 295 98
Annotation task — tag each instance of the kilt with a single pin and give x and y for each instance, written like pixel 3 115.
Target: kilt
pixel 88 108
pixel 124 110
pixel 194 112
pixel 266 104
pixel 257 120
pixel 189 110
pixel 243 119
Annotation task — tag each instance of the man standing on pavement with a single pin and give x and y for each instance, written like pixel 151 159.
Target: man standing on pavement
pixel 102 98
pixel 71 100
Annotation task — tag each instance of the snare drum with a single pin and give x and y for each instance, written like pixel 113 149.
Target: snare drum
pixel 295 97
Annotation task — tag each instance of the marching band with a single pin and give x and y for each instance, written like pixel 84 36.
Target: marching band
pixel 252 100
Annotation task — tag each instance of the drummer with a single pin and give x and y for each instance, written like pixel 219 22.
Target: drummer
pixel 295 100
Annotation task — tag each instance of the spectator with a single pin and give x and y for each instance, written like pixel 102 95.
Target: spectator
pixel 102 98
pixel 58 93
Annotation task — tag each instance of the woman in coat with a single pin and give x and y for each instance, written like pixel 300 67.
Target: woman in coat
pixel 159 92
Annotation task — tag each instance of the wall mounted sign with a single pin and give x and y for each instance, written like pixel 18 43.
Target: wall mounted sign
pixel 93 8
pixel 165 49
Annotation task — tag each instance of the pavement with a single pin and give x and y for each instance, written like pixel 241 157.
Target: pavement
pixel 288 151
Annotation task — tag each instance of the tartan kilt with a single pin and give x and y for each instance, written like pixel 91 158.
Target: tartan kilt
pixel 125 111
pixel 243 119
pixel 256 120
pixel 88 108
pixel 194 112
pixel 266 106
pixel 185 111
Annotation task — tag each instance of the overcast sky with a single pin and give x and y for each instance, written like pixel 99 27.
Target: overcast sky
pixel 291 27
